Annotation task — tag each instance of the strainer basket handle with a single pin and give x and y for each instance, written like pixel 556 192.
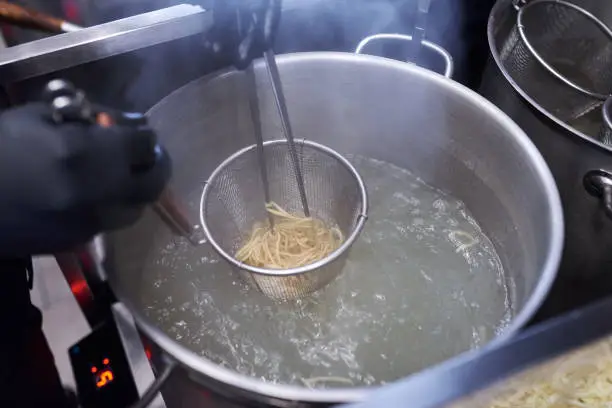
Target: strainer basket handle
pixel 448 59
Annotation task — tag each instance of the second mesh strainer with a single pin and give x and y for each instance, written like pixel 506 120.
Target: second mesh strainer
pixel 560 55
pixel 233 200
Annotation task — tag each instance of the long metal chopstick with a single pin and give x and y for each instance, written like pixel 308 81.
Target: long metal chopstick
pixel 418 35
pixel 257 131
pixel 281 104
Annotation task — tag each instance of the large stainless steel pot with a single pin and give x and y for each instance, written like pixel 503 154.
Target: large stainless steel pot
pixel 572 155
pixel 384 109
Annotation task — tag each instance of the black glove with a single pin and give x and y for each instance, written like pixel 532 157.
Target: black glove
pixel 244 29
pixel 62 184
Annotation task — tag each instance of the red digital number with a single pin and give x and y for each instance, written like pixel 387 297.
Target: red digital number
pixel 104 378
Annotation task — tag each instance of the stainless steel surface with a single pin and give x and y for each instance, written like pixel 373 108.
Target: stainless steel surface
pixel 135 353
pixel 152 393
pixel 383 109
pixel 281 104
pixel 605 132
pixel 559 54
pixel 448 59
pixel 95 43
pixel 232 203
pixel 571 154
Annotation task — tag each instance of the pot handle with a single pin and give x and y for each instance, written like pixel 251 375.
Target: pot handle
pixel 448 59
pixel 518 4
pixel 151 392
pixel 598 183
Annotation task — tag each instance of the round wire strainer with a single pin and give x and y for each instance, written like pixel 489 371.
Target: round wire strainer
pixel 605 131
pixel 560 54
pixel 233 201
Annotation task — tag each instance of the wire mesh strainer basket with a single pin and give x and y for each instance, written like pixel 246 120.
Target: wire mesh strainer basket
pixel 605 131
pixel 233 201
pixel 560 55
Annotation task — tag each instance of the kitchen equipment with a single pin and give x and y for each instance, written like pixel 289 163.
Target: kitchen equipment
pixel 251 84
pixel 576 159
pixel 281 104
pixel 559 54
pixel 605 132
pixel 374 107
pixel 434 49
pixel 232 201
pixel 574 345
pixel 102 369
pixel 417 43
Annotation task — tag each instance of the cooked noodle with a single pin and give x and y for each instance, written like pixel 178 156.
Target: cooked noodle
pixel 292 242
pixel 582 379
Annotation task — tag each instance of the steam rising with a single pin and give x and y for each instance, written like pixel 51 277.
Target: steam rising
pixel 306 25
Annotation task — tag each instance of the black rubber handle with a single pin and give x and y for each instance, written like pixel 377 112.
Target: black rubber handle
pixel 598 183
pixel 71 104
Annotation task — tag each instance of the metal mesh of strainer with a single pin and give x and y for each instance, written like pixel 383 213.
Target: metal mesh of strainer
pixel 560 55
pixel 233 200
pixel 605 131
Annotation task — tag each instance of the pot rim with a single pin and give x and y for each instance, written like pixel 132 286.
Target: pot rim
pixel 534 105
pixel 282 392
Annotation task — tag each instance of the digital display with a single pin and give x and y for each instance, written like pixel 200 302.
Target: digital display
pixel 104 375
pixel 101 370
pixel 104 378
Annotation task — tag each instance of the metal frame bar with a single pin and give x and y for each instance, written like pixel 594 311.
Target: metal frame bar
pixel 94 43
pixel 135 353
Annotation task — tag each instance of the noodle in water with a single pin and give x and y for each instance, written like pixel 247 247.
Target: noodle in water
pixel 292 242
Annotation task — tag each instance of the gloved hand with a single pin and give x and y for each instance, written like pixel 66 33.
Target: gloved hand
pixel 62 184
pixel 245 29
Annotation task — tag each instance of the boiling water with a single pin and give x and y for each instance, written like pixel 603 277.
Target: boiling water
pixel 422 284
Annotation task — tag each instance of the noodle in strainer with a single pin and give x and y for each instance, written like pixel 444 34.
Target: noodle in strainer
pixel 292 241
pixel 297 255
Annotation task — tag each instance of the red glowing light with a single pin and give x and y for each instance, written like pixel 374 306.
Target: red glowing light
pixel 79 287
pixel 148 353
pixel 105 377
pixel 105 361
pixel 71 10
pixel 94 370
